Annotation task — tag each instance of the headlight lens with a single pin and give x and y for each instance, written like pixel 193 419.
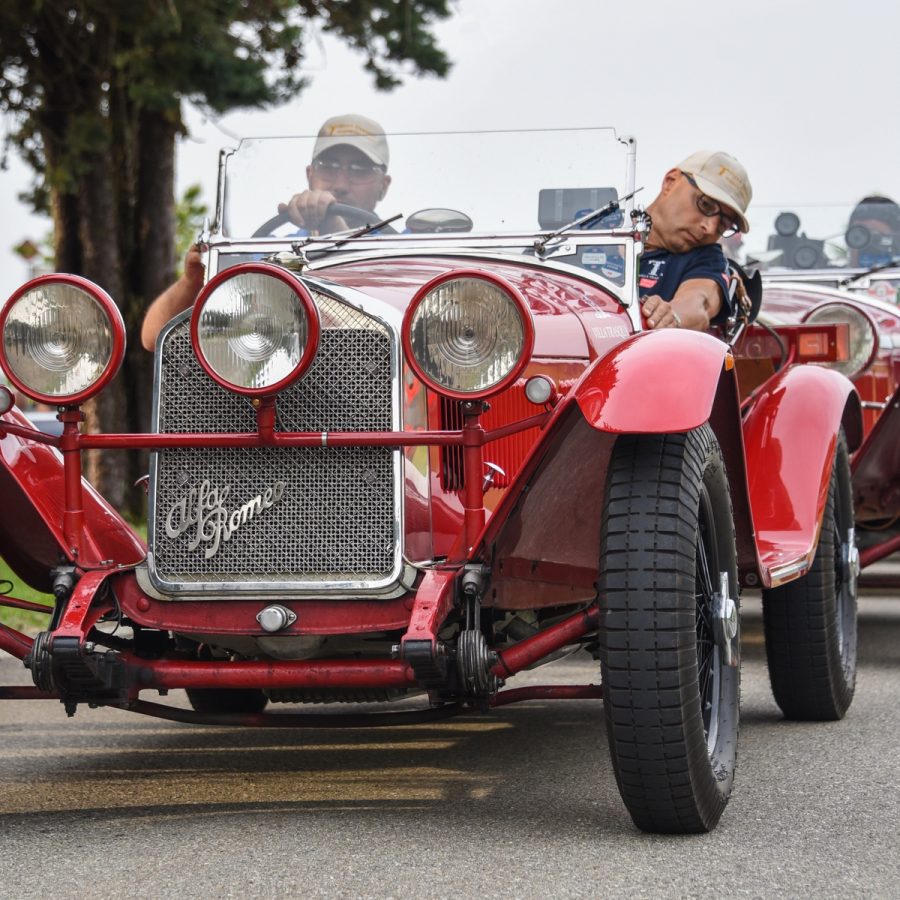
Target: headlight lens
pixel 63 339
pixel 256 330
pixel 863 335
pixel 468 334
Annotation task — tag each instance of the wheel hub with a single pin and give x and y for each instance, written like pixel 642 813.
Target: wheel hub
pixel 850 562
pixel 725 622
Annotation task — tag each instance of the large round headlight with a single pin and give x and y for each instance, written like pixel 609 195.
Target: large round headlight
pixel 255 328
pixel 63 339
pixel 468 334
pixel 863 334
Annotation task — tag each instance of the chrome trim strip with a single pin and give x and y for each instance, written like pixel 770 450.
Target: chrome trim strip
pixel 787 570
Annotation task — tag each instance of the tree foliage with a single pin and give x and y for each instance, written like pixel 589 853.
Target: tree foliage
pixel 93 90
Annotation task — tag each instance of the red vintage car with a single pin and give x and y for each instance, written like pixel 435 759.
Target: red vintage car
pixel 399 468
pixel 873 364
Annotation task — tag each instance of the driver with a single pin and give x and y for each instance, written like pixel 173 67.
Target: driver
pixel 873 232
pixel 684 278
pixel 349 166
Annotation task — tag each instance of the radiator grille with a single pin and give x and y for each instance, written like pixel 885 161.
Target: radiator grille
pixel 334 519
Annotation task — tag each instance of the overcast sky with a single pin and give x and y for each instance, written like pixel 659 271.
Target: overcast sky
pixel 802 93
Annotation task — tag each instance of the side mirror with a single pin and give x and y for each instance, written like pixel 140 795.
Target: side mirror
pixel 438 221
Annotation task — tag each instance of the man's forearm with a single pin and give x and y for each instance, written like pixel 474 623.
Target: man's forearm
pixel 174 299
pixel 697 302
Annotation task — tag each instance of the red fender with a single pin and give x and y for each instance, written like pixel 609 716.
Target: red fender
pixel 656 382
pixel 32 489
pixel 790 435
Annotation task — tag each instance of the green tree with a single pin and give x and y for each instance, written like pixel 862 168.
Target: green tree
pixel 94 88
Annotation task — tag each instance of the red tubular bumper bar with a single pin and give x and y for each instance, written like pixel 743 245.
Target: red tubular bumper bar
pixel 524 653
pixel 362 673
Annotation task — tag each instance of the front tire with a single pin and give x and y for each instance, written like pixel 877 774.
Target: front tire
pixel 810 623
pixel 671 698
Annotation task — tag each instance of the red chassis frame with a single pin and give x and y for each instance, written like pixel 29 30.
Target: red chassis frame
pixel 433 601
pixel 608 399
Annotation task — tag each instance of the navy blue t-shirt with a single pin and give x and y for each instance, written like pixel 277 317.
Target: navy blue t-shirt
pixel 662 273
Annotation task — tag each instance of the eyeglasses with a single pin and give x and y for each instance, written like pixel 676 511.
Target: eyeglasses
pixel 709 207
pixel 358 173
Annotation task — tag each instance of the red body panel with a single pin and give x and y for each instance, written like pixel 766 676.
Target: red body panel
pixel 33 492
pixel 876 467
pixel 790 434
pixel 654 383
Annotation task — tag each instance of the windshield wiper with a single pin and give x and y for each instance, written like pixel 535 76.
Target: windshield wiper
pixel 337 238
pixel 845 282
pixel 596 214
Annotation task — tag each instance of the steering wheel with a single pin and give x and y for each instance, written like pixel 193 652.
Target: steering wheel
pixel 352 215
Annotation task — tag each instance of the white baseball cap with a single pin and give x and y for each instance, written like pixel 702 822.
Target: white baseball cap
pixel 723 178
pixel 354 131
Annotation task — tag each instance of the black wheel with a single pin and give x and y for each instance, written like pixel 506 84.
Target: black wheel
pixel 669 630
pixel 810 623
pixel 215 700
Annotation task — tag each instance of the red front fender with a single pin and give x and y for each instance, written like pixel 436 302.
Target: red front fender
pixel 32 491
pixel 790 434
pixel 655 382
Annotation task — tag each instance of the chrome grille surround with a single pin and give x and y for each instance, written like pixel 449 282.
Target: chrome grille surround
pixel 336 529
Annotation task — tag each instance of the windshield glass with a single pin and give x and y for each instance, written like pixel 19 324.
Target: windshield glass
pixel 809 236
pixel 500 181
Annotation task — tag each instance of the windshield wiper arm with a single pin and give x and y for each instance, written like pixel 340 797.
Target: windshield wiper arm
pixel 336 238
pixel 844 282
pixel 612 206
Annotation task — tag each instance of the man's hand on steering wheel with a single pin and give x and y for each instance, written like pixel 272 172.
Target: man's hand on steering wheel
pixel 335 217
pixel 310 210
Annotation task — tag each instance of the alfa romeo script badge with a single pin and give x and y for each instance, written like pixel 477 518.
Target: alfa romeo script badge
pixel 202 513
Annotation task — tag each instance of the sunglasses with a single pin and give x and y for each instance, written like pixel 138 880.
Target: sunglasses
pixel 709 208
pixel 357 173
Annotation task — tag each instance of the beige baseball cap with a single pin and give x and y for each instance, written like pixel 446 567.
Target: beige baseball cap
pixel 723 178
pixel 354 131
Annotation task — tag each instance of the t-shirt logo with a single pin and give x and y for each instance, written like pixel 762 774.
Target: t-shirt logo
pixel 653 269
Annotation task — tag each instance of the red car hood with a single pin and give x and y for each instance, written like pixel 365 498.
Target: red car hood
pixel 565 307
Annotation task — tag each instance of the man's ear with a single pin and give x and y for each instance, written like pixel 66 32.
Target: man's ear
pixel 385 184
pixel 670 179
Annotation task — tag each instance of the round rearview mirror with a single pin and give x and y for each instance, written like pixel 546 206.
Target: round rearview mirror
pixel 438 221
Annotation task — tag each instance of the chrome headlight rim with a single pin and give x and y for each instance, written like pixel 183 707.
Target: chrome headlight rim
pixel 809 319
pixel 117 348
pixel 306 302
pixel 512 293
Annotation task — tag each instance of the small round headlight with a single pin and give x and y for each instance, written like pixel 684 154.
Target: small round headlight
pixel 863 334
pixel 255 328
pixel 63 339
pixel 468 334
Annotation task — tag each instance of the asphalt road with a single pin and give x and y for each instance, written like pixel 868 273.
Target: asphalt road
pixel 521 803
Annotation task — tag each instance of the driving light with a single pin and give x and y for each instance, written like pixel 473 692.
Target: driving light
pixel 63 339
pixel 540 390
pixel 468 334
pixel 863 334
pixel 255 329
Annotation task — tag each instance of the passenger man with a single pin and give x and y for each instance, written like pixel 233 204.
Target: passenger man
pixel 349 166
pixel 683 274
